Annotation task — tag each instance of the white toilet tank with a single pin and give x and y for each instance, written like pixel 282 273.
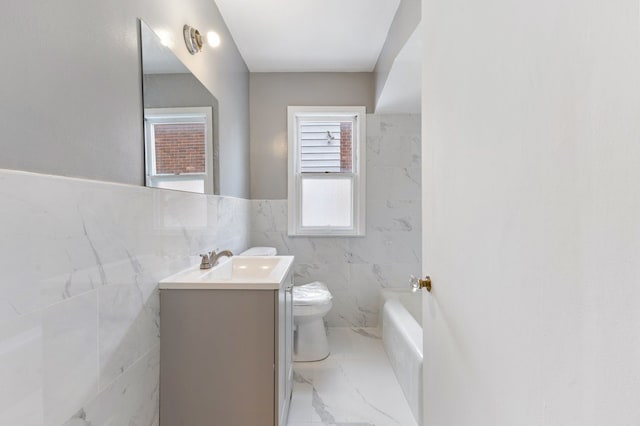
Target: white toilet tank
pixel 260 251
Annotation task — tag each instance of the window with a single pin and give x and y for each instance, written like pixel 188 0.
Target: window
pixel 326 171
pixel 179 145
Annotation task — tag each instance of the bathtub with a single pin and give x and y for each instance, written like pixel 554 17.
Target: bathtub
pixel 402 337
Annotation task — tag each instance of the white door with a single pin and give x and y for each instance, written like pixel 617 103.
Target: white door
pixel 531 145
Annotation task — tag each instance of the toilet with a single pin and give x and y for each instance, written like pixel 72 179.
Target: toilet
pixel 311 302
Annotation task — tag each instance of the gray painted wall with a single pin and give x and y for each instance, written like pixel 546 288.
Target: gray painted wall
pixel 270 94
pixel 407 18
pixel 71 94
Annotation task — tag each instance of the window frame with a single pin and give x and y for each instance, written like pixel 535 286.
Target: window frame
pixel 357 174
pixel 154 116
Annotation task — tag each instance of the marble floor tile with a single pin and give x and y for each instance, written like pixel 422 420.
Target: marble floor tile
pixel 354 386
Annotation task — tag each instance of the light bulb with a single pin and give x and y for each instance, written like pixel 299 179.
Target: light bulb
pixel 213 39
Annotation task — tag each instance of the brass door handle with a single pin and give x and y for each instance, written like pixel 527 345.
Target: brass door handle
pixel 426 283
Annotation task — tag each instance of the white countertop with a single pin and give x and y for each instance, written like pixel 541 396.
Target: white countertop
pixel 236 273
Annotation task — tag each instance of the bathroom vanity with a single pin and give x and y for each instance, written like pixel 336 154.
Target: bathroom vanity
pixel 226 344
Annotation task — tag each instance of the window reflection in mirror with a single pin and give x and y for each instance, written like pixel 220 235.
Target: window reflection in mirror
pixel 177 142
pixel 179 116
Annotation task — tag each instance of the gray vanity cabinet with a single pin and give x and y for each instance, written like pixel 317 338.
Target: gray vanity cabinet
pixel 226 356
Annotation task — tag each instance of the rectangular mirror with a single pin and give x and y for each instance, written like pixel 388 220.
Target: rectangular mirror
pixel 179 121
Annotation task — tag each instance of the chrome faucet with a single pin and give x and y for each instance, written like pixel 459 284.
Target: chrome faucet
pixel 209 260
pixel 213 256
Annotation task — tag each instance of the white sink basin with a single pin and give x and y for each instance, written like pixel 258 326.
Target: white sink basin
pixel 238 272
pixel 243 268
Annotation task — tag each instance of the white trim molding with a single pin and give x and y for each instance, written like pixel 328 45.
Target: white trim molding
pixel 357 175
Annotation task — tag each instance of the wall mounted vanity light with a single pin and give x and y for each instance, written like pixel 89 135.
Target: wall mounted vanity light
pixel 193 39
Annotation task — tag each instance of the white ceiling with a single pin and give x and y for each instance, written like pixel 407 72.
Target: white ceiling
pixel 309 35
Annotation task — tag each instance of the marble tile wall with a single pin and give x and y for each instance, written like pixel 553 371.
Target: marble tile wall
pixel 79 310
pixel 355 269
pixel 80 261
